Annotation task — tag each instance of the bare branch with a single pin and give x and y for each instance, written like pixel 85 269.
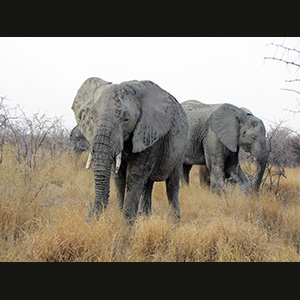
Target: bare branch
pixel 291 90
pixel 285 61
pixel 293 80
pixel 293 131
pixel 284 47
pixel 292 60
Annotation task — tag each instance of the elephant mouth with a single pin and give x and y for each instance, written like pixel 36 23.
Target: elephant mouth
pixel 247 147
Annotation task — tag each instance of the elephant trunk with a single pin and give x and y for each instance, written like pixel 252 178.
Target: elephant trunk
pixel 261 159
pixel 105 149
pixel 261 165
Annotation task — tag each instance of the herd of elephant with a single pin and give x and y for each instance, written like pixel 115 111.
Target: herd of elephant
pixel 138 133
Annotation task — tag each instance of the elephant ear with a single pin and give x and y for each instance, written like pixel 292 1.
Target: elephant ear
pixel 83 103
pixel 157 109
pixel 224 122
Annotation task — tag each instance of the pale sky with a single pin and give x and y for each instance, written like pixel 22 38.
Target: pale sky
pixel 44 74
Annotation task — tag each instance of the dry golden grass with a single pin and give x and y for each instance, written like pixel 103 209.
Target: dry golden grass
pixel 43 218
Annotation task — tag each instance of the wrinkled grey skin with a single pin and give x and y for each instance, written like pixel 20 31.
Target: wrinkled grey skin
pixel 78 141
pixel 216 132
pixel 147 126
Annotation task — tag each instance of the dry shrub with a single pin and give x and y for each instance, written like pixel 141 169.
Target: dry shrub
pixel 190 243
pixel 43 218
pixel 150 238
pixel 74 239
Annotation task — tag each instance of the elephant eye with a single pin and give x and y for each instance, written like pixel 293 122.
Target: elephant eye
pixel 253 138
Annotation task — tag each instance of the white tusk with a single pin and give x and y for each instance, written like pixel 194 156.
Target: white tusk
pixel 118 161
pixel 89 160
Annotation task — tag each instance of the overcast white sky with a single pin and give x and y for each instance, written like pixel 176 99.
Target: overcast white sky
pixel 44 74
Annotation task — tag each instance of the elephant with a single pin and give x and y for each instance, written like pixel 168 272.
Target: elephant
pixel 216 133
pixel 80 144
pixel 78 141
pixel 138 134
pixel 204 177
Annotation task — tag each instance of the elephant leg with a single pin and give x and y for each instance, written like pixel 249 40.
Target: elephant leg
pixel 241 175
pixel 172 186
pixel 138 173
pixel 234 172
pixel 186 174
pixel 204 176
pixel 120 182
pixel 131 201
pixel 217 175
pixel 243 180
pixel 145 202
pixel 237 175
pixel 231 171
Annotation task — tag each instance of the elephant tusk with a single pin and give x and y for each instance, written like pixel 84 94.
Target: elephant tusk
pixel 89 160
pixel 118 161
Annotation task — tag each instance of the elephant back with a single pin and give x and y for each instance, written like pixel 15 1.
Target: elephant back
pixel 198 114
pixel 195 107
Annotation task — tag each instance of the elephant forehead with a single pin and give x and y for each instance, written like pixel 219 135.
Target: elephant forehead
pixel 248 132
pixel 255 124
pixel 116 95
pixel 87 92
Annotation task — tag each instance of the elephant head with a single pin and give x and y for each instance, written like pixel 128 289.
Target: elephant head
pixel 79 142
pixel 110 115
pixel 236 128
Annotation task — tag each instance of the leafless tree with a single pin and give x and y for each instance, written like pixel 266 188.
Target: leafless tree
pixel 5 117
pixel 284 151
pixel 284 143
pixel 31 138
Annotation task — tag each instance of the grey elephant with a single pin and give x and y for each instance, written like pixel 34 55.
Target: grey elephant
pixel 138 133
pixel 216 133
pixel 78 141
pixel 204 177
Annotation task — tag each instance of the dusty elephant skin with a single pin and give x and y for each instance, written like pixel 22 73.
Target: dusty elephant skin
pixel 216 132
pixel 140 127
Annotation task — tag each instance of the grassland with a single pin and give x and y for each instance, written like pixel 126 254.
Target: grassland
pixel 43 218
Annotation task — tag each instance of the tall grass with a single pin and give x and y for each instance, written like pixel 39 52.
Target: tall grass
pixel 43 218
